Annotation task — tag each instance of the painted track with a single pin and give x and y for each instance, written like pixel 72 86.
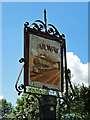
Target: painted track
pixel 50 76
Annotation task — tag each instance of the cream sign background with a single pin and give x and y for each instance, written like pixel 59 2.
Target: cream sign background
pixel 44 60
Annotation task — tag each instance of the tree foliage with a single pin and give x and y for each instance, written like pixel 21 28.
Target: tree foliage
pixel 78 106
pixel 28 106
pixel 6 108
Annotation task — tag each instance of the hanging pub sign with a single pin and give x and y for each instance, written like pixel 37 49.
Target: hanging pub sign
pixel 43 56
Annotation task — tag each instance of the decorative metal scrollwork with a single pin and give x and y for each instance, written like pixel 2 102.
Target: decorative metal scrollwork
pixel 26 24
pixel 38 25
pixel 43 27
pixel 20 89
pixel 52 30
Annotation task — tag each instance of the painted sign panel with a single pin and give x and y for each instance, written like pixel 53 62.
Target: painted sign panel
pixel 44 62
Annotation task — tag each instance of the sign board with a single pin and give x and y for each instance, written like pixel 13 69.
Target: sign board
pixel 44 58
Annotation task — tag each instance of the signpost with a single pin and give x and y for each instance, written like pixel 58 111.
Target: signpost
pixel 44 51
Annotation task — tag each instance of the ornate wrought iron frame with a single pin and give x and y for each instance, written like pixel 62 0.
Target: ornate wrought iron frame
pixel 42 29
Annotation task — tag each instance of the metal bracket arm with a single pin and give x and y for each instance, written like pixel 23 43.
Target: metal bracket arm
pixel 20 87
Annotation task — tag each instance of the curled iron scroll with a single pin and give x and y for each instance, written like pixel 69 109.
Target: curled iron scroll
pixel 41 26
pixel 20 88
pixel 38 25
pixel 52 30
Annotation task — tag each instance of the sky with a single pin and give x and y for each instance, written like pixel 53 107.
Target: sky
pixel 70 18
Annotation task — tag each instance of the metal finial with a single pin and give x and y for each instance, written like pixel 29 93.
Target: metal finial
pixel 45 19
